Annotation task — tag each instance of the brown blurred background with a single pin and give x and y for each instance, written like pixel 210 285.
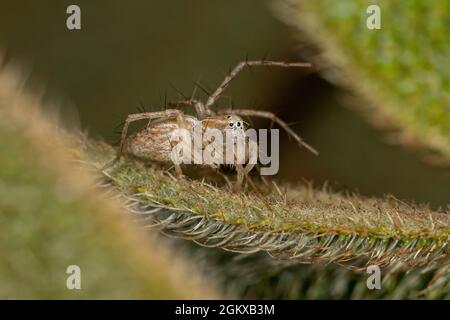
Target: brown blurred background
pixel 132 51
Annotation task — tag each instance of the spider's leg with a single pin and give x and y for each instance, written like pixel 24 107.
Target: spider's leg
pixel 240 178
pixel 178 171
pixel 200 108
pixel 241 65
pixel 274 118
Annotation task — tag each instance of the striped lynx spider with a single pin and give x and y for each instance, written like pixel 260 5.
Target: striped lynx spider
pixel 153 142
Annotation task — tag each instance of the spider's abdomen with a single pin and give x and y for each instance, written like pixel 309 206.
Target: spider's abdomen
pixel 154 141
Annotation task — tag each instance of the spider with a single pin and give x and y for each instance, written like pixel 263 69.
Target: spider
pixel 153 143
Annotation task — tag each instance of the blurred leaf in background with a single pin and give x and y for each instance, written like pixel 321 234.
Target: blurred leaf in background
pixel 397 75
pixel 401 70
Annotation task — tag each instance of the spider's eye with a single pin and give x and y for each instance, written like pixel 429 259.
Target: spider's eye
pixel 238 123
pixel 231 124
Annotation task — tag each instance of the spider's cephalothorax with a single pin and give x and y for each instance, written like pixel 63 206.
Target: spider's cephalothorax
pixel 222 122
pixel 231 126
pixel 154 141
pixel 232 132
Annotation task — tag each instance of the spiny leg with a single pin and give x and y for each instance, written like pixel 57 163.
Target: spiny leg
pixel 241 65
pixel 177 166
pixel 169 113
pixel 240 178
pixel 178 171
pixel 200 109
pixel 244 170
pixel 274 118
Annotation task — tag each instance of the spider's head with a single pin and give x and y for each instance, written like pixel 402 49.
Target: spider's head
pixel 234 122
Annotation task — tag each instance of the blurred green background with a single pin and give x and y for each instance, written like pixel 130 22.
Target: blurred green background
pixel 137 51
